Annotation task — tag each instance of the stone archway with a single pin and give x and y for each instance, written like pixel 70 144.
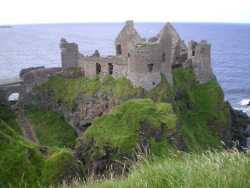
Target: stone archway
pixel 14 97
pixel 10 93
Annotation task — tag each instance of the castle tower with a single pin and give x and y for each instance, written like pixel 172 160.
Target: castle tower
pixel 200 54
pixel 126 40
pixel 69 54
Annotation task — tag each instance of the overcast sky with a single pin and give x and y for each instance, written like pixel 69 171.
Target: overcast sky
pixel 61 11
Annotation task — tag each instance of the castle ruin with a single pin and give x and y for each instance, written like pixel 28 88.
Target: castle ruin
pixel 143 61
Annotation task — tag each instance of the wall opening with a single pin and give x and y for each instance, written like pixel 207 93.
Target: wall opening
pixel 128 54
pixel 98 68
pixel 163 58
pixel 110 68
pixel 118 49
pixel 193 52
pixel 13 97
pixel 150 67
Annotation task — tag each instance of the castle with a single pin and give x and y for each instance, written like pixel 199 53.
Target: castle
pixel 143 61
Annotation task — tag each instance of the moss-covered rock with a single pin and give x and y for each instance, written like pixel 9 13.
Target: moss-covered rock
pixel 201 110
pixel 137 125
pixel 61 167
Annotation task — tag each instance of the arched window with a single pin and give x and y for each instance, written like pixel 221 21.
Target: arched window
pixel 118 49
pixel 163 58
pixel 98 68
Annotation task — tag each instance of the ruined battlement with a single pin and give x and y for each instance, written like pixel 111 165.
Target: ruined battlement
pixel 143 61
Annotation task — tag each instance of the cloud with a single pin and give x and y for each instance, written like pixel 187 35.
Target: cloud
pixel 54 11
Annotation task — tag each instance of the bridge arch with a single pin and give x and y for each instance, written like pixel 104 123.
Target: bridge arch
pixel 10 92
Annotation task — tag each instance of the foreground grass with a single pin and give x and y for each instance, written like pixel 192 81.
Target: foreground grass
pixel 208 170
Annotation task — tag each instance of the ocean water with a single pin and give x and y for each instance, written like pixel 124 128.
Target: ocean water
pixel 24 46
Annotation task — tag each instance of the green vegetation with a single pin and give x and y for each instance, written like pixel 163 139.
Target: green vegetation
pixel 120 128
pixel 207 170
pixel 67 89
pixel 201 110
pixel 61 166
pixel 20 161
pixel 163 92
pixel 50 128
pixel 10 118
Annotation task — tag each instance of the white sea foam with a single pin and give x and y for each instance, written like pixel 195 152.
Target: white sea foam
pixel 245 102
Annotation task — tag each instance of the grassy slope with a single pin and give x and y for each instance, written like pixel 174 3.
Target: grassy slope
pixel 208 170
pixel 201 110
pixel 50 128
pixel 20 161
pixel 10 118
pixel 120 128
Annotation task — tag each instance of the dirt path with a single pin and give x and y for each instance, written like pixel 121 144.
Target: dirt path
pixel 26 126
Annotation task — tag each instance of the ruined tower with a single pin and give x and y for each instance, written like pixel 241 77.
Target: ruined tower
pixel 69 54
pixel 200 54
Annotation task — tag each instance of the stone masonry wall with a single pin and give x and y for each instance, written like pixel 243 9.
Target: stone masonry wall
pixel 69 54
pixel 200 53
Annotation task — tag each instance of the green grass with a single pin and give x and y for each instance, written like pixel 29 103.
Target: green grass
pixel 163 92
pixel 20 161
pixel 61 166
pixel 207 170
pixel 50 128
pixel 10 118
pixel 201 110
pixel 120 128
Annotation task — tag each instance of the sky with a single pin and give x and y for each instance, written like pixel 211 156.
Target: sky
pixel 69 11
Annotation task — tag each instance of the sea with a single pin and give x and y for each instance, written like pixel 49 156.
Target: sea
pixel 23 46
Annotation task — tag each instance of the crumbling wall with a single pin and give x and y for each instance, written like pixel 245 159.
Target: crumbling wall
pixel 144 65
pixel 69 54
pixel 93 66
pixel 173 50
pixel 127 39
pixel 200 54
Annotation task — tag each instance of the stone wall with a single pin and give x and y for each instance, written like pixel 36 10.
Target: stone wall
pixel 127 39
pixel 35 77
pixel 200 53
pixel 144 65
pixel 114 65
pixel 172 48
